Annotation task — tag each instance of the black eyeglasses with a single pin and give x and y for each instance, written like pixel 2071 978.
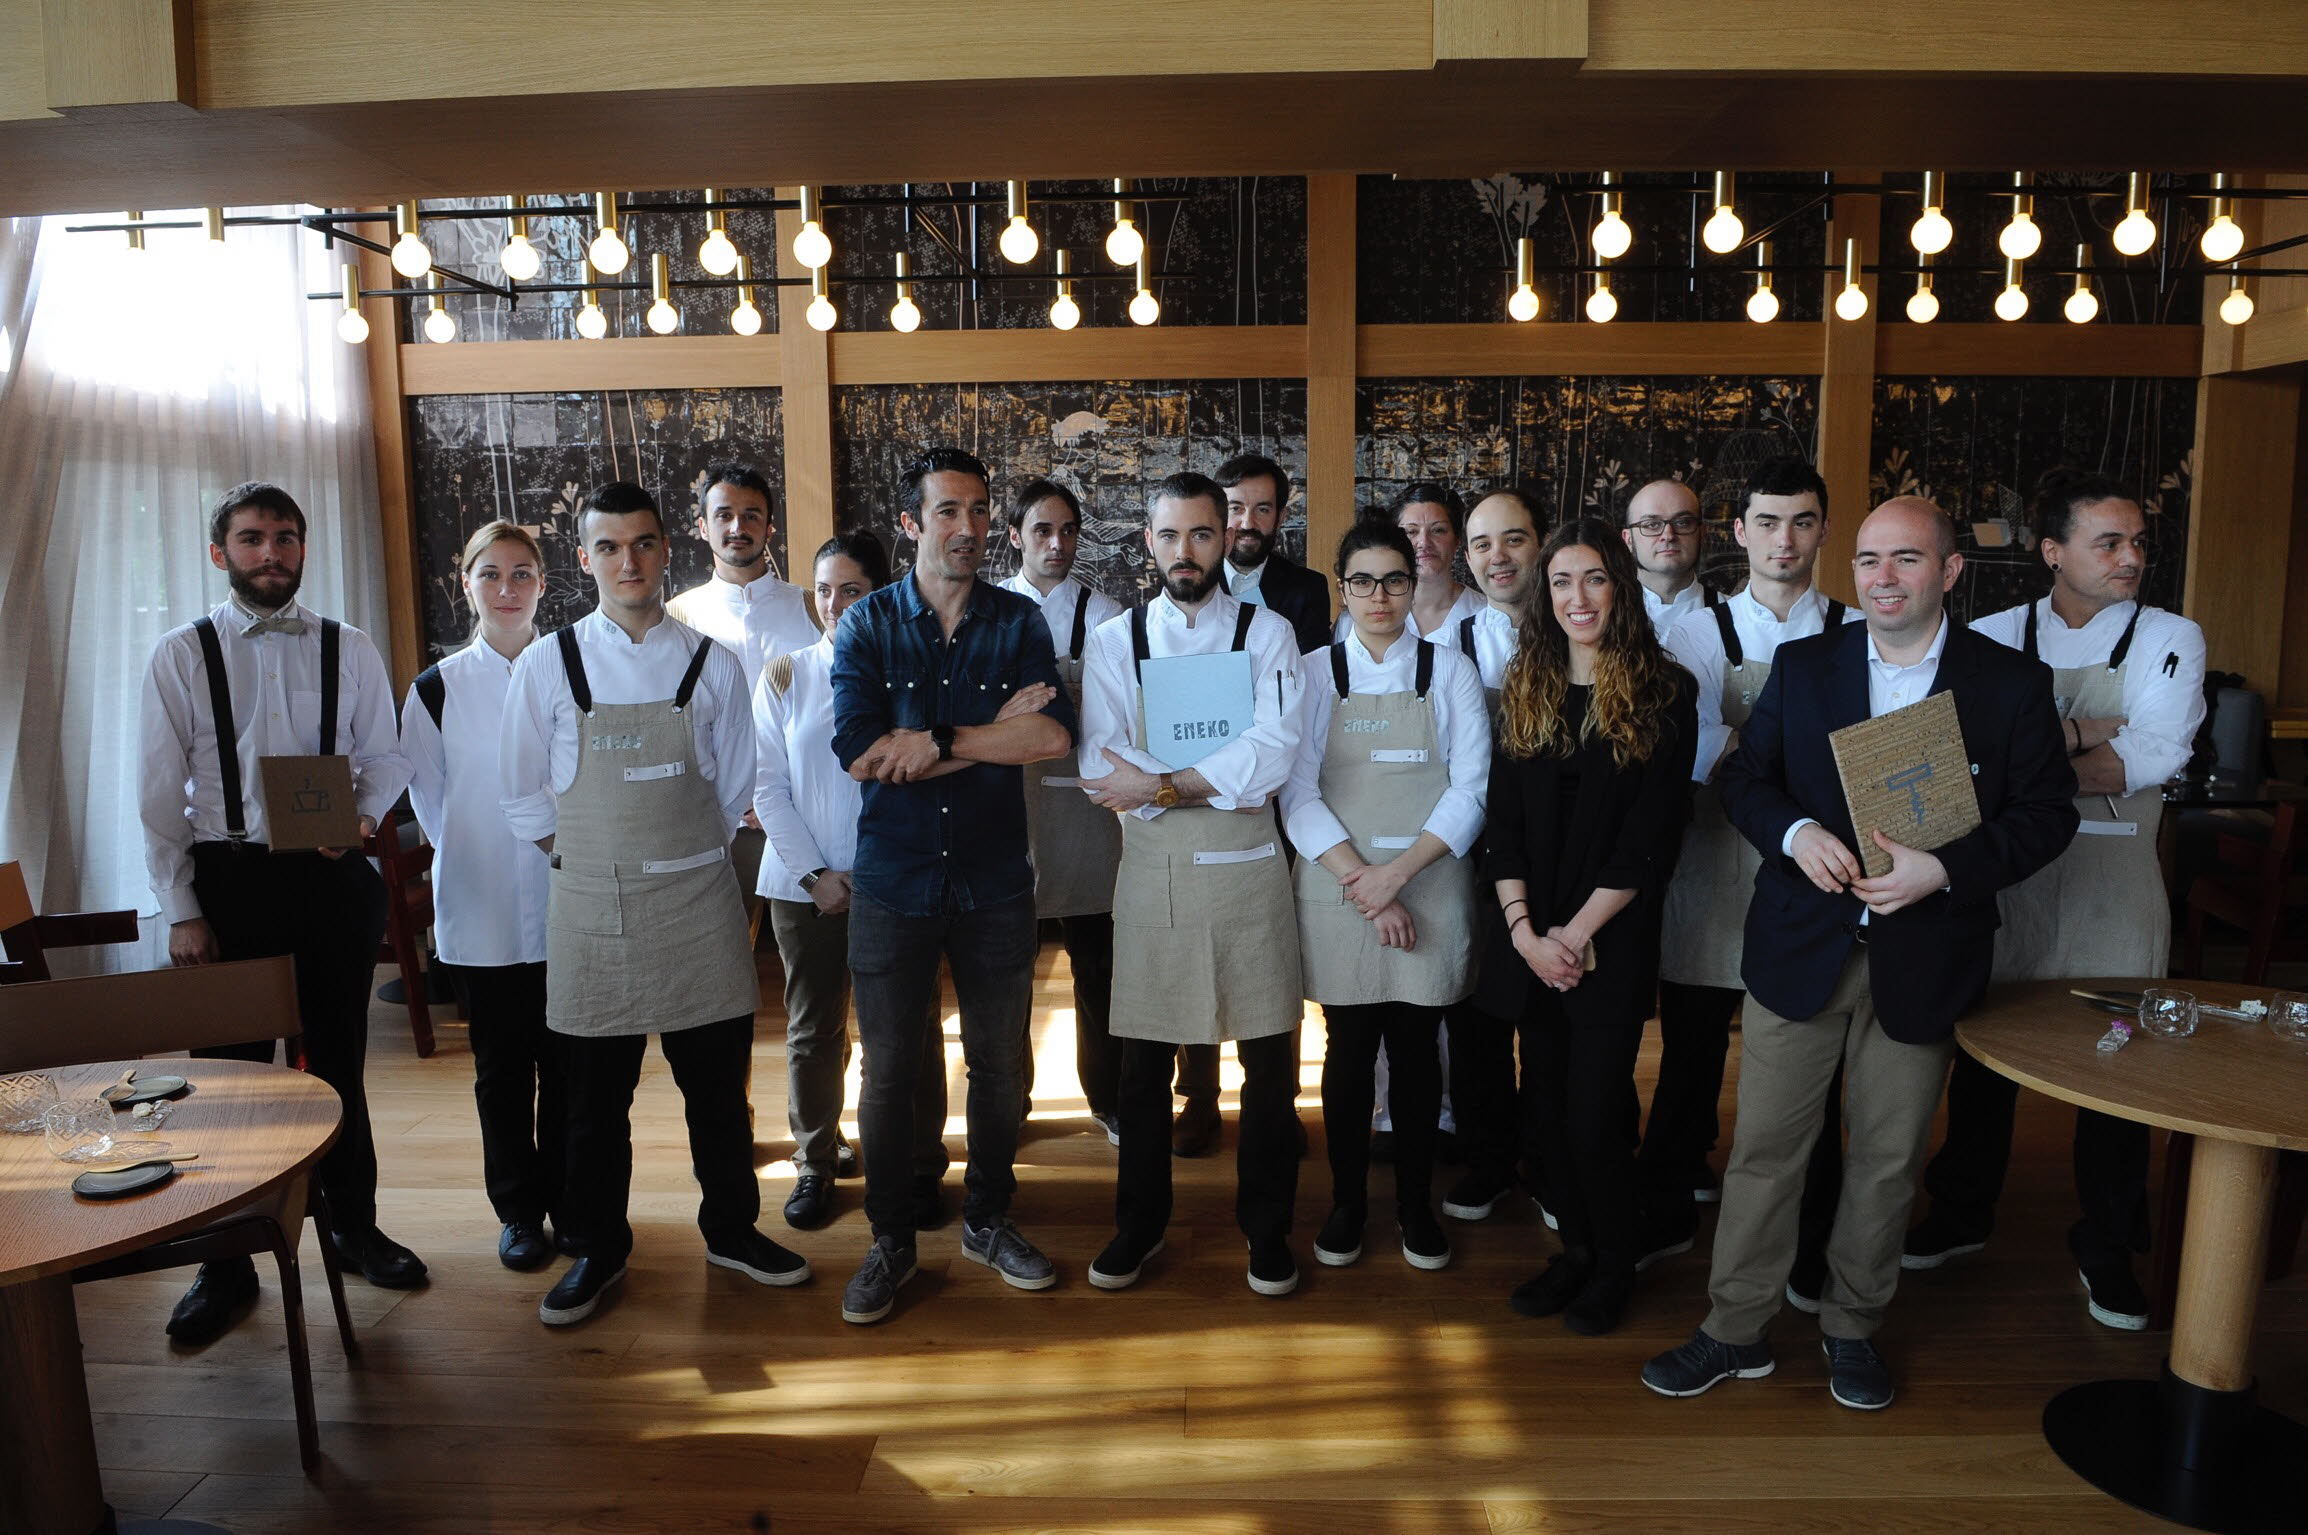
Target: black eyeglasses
pixel 1652 527
pixel 1362 584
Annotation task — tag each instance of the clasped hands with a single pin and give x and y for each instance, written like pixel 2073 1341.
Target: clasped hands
pixel 1834 868
pixel 1557 956
pixel 1375 890
pixel 907 756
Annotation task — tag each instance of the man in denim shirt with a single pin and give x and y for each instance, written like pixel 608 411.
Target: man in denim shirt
pixel 944 685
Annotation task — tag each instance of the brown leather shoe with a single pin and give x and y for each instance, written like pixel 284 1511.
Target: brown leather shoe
pixel 1195 1132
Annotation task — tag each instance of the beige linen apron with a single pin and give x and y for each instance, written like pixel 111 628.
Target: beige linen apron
pixel 1383 770
pixel 645 932
pixel 1704 929
pixel 1205 940
pixel 1076 846
pixel 2099 908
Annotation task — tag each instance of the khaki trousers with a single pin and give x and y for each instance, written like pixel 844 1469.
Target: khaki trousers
pixel 1890 1092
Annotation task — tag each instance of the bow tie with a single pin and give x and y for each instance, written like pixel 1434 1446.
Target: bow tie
pixel 276 625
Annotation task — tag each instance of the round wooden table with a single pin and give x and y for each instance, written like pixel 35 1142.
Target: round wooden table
pixel 2192 1447
pixel 256 1128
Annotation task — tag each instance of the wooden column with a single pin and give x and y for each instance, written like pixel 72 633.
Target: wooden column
pixel 1330 365
pixel 1847 386
pixel 2242 520
pixel 807 408
pixel 396 506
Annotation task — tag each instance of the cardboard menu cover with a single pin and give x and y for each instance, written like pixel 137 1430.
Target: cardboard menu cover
pixel 1906 774
pixel 308 803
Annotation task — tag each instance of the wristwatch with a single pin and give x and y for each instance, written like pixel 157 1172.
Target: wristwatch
pixel 944 736
pixel 809 880
pixel 1167 795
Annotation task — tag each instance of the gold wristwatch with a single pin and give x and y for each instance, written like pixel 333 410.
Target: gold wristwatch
pixel 1167 795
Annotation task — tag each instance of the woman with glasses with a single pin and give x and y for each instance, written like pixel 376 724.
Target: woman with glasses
pixel 1596 732
pixel 1384 802
pixel 1434 519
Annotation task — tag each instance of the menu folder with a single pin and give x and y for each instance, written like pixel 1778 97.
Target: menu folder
pixel 308 803
pixel 1907 775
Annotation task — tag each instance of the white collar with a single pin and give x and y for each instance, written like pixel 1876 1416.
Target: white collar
pixel 1751 605
pixel 1930 657
pixel 1236 579
pixel 2052 620
pixel 1164 610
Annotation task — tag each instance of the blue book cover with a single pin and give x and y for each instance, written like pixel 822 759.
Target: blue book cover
pixel 1195 704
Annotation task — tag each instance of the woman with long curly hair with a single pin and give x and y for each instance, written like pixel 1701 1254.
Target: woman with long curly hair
pixel 1589 793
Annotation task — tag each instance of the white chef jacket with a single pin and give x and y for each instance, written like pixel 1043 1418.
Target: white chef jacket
pixel 539 755
pixel 1462 730
pixel 805 800
pixel 489 886
pixel 276 703
pixel 1664 616
pixel 1058 609
pixel 1243 773
pixel 765 617
pixel 1497 633
pixel 1467 604
pixel 2163 676
pixel 1697 643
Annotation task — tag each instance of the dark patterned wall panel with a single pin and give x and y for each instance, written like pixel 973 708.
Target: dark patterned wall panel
pixel 1582 446
pixel 1978 445
pixel 531 458
pixel 1110 442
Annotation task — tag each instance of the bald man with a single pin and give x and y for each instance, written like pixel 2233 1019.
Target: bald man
pixel 1868 972
pixel 1662 532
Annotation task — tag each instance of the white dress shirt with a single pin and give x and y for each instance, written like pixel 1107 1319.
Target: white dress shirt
pixel 541 718
pixel 1665 615
pixel 489 886
pixel 1462 730
pixel 1497 634
pixel 762 618
pixel 275 682
pixel 1058 609
pixel 1467 604
pixel 1244 585
pixel 1245 772
pixel 806 803
pixel 1889 686
pixel 1697 643
pixel 2163 676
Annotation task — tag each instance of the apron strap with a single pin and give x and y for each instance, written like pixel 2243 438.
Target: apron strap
pixel 1140 653
pixel 1467 636
pixel 689 677
pixel 1338 670
pixel 574 665
pixel 2124 645
pixel 2028 640
pixel 1709 597
pixel 1242 617
pixel 1732 655
pixel 1425 667
pixel 227 735
pixel 432 692
pixel 330 632
pixel 1081 623
pixel 1835 612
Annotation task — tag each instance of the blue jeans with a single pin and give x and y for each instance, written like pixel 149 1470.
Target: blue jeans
pixel 894 961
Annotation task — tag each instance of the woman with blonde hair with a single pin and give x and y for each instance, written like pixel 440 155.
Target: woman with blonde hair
pixel 489 888
pixel 1589 790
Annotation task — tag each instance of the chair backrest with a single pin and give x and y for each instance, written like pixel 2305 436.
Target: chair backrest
pixel 146 1012
pixel 2239 734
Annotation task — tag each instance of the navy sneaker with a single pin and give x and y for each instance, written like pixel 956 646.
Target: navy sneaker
pixel 1856 1374
pixel 1703 1361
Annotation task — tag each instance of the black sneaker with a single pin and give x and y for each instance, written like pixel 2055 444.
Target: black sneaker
pixel 759 1259
pixel 521 1246
pixel 873 1289
pixel 1703 1361
pixel 1118 1267
pixel 1856 1374
pixel 379 1259
pixel 1475 1196
pixel 1340 1240
pixel 1002 1247
pixel 1807 1281
pixel 1599 1306
pixel 1665 1239
pixel 221 1294
pixel 1933 1240
pixel 2113 1295
pixel 1272 1270
pixel 1423 1244
pixel 580 1291
pixel 1552 1288
pixel 810 1205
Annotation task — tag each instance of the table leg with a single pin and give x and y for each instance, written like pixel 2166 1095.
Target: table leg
pixel 48 1481
pixel 2194 1447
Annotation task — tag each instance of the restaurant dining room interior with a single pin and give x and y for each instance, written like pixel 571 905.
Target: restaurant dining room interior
pixel 394 332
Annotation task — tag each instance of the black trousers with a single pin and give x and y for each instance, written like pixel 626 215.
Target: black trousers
pixel 1483 1096
pixel 1414 1098
pixel 1197 1073
pixel 1097 1061
pixel 708 1064
pixel 1694 1039
pixel 520 1087
pixel 1265 1150
pixel 1965 1178
pixel 329 915
pixel 1580 1121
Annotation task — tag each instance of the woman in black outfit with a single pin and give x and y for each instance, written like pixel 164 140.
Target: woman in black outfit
pixel 1589 792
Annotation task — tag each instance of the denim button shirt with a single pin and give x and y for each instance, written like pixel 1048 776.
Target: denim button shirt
pixel 957 842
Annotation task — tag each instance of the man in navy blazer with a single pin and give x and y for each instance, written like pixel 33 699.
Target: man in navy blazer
pixel 1867 973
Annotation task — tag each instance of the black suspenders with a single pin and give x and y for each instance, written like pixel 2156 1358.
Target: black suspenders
pixel 1425 668
pixel 1467 637
pixel 1141 651
pixel 2115 656
pixel 574 665
pixel 228 733
pixel 1734 656
pixel 1081 624
pixel 689 677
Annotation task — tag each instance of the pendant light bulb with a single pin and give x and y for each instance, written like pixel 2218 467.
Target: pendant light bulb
pixel 905 314
pixel 1851 303
pixel 2083 304
pixel 1723 231
pixel 2137 232
pixel 2021 238
pixel 440 325
pixel 820 313
pixel 518 260
pixel 1019 243
pixel 1124 243
pixel 1145 308
pixel 1923 304
pixel 592 324
pixel 2223 238
pixel 717 255
pixel 1523 303
pixel 1931 233
pixel 1763 304
pixel 1602 304
pixel 352 325
pixel 2012 303
pixel 662 318
pixel 412 258
pixel 745 319
pixel 1065 314
pixel 1611 238
pixel 2236 308
pixel 608 252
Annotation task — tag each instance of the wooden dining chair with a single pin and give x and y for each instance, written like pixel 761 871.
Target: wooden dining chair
pixel 27 937
pixel 2257 889
pixel 149 1012
pixel 405 860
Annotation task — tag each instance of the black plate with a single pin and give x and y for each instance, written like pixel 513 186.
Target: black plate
pixel 127 1180
pixel 150 1090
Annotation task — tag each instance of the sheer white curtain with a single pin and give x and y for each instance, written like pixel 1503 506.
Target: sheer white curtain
pixel 134 389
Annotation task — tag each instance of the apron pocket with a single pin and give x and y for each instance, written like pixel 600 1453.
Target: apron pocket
pixel 587 903
pixel 1142 892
